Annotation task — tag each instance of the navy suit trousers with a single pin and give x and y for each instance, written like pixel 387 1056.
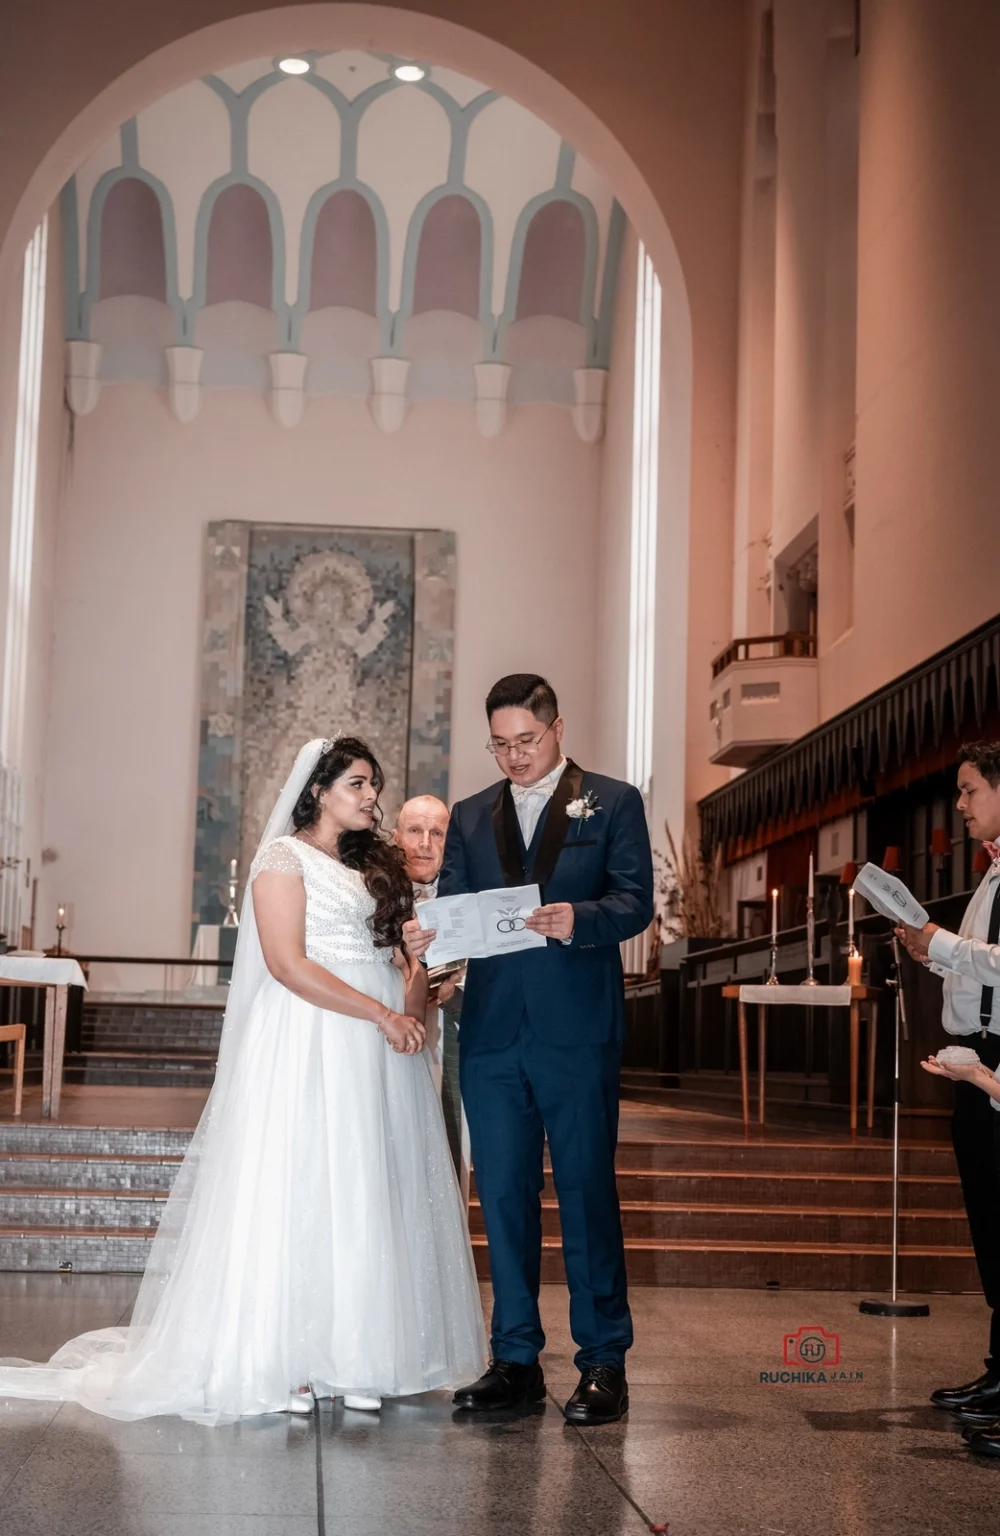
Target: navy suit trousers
pixel 514 1098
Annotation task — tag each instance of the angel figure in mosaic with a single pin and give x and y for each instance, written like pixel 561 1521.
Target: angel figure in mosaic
pixel 327 623
pixel 331 603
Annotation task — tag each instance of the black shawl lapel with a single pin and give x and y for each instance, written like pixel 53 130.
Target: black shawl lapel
pixel 554 834
pixel 505 830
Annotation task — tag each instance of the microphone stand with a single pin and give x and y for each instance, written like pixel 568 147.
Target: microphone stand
pixel 894 1307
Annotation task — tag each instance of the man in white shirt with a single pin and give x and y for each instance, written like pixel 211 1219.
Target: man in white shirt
pixel 969 961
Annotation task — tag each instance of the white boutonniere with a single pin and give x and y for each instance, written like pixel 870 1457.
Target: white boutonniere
pixel 581 810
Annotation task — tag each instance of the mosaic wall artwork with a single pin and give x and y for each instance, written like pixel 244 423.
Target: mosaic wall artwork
pixel 310 630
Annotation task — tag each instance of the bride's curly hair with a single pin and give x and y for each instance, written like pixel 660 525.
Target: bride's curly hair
pixel 378 861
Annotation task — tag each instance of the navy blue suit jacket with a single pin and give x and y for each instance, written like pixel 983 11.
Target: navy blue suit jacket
pixel 571 993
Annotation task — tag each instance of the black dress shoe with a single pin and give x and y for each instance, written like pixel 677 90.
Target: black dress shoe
pixel 507 1384
pixel 601 1397
pixel 987 1386
pixel 969 1431
pixel 981 1411
pixel 986 1443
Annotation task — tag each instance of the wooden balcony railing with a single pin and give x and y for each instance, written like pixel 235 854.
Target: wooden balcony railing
pixel 765 648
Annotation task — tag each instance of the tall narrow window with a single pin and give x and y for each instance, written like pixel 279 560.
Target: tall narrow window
pixel 22 536
pixel 645 470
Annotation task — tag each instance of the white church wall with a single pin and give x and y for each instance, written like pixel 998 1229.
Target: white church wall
pixel 123 748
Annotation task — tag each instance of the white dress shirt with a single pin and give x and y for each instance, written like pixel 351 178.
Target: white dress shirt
pixel 970 963
pixel 425 890
pixel 530 800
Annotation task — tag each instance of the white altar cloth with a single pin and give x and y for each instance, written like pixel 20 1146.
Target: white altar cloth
pixel 42 971
pixel 809 997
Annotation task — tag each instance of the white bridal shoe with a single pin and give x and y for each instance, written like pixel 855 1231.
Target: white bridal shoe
pixel 362 1400
pixel 300 1401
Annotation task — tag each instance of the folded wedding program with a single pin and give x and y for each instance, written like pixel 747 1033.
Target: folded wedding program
pixel 889 896
pixel 481 924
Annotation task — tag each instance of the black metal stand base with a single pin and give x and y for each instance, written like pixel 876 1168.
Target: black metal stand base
pixel 894 1308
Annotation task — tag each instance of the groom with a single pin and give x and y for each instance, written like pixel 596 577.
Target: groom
pixel 541 1039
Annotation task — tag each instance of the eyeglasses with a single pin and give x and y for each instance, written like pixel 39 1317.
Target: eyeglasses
pixel 528 745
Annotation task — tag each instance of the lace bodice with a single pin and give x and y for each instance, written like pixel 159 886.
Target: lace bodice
pixel 337 905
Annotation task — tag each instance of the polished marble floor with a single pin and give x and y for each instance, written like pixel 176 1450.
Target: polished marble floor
pixel 708 1450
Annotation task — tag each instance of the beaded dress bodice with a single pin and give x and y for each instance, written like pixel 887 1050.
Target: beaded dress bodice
pixel 337 904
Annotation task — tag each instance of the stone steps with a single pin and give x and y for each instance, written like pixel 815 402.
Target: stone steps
pixel 815 1155
pixel 69 1172
pixel 714 1211
pixel 713 1220
pixel 57 1140
pixel 139 1069
pixel 773 1265
pixel 839 1190
pixel 48 1249
pixel 77 1209
pixel 142 1045
pixel 687 1262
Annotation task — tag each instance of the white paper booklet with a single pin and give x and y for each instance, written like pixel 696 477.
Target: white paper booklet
pixel 889 896
pixel 481 924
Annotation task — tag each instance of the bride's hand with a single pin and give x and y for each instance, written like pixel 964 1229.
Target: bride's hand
pixel 405 1035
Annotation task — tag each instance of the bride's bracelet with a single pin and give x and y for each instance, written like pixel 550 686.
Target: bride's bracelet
pixel 381 1021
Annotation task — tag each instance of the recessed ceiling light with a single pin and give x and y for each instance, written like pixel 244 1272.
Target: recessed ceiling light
pixel 294 66
pixel 409 72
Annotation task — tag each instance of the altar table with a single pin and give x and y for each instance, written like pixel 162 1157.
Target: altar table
pixel 766 996
pixel 56 975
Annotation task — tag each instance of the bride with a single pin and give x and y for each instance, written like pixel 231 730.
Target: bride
pixel 314 1241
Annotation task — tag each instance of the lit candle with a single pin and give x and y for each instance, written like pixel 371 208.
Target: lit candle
pixel 232 869
pixel 774 916
pixel 850 918
pixel 61 914
pixel 811 890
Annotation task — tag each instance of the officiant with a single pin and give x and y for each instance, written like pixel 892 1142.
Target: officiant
pixel 420 832
pixel 970 964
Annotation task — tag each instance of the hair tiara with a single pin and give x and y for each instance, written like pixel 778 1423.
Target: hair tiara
pixel 331 741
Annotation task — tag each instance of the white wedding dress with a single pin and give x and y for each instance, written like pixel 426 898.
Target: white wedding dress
pixel 316 1232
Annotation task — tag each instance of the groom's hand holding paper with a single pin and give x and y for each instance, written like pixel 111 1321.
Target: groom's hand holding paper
pixel 481 924
pixel 555 921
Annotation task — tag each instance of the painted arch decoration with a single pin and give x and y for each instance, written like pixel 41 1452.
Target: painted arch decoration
pixel 342 232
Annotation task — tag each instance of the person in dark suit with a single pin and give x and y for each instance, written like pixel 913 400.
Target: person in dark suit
pixel 541 1039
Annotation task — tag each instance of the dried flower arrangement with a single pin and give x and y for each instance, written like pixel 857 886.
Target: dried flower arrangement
pixel 689 890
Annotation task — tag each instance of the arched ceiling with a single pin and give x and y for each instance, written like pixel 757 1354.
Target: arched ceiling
pixel 350 126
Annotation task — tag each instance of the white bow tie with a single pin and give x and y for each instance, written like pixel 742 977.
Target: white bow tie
pixel 545 789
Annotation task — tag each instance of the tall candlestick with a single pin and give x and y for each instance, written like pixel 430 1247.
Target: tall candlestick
pixel 232 917
pixel 810 980
pixel 772 979
pixel 850 918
